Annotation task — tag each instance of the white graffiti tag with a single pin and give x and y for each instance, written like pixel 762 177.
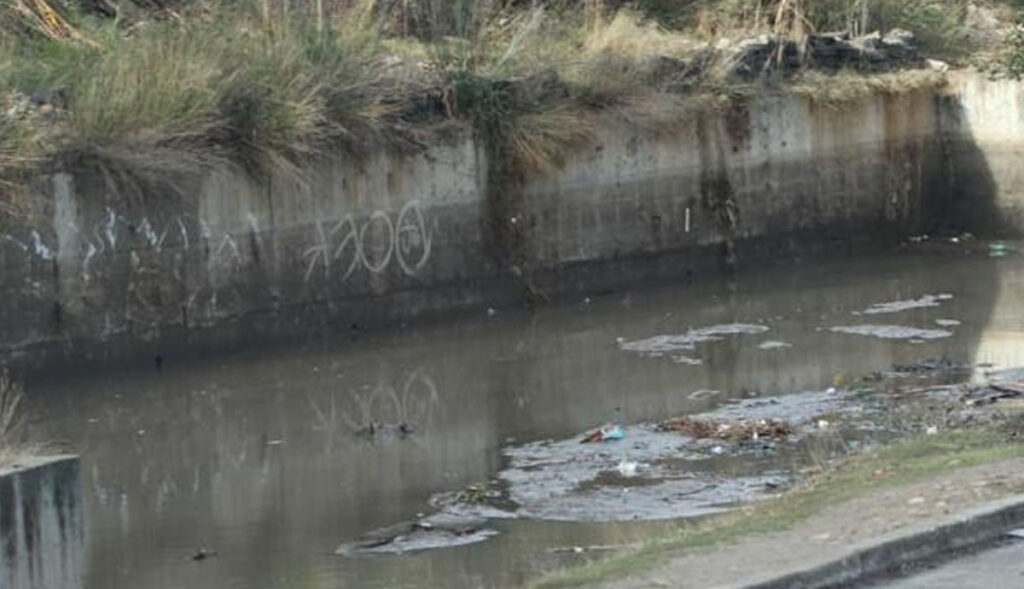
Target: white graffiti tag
pixel 372 246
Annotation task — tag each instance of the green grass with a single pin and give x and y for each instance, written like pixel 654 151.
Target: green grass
pixel 905 462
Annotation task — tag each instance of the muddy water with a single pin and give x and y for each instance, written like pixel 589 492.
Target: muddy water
pixel 257 455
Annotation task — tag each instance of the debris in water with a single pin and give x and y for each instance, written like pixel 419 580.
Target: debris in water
pixel 703 394
pixel 892 332
pixel 441 530
pixel 993 392
pixel 927 366
pixel 377 428
pixel 477 494
pixel 275 442
pixel 627 469
pixel 687 360
pixel 582 549
pixel 899 306
pixel 203 554
pixel 823 424
pixel 608 433
pixel 774 345
pixel 739 431
pixel 1000 250
pixel 690 339
pixel 948 322
pixel 932 430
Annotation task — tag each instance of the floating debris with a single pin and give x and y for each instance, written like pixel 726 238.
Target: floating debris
pixel 203 554
pixel 928 366
pixel 628 469
pixel 774 345
pixel 441 530
pixel 900 306
pixel 597 548
pixel 377 428
pixel 739 431
pixel 993 392
pixel 1000 250
pixel 608 433
pixel 687 360
pixel 690 339
pixel 703 394
pixel 948 322
pixel 892 332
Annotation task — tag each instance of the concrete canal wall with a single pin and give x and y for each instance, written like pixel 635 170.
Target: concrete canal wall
pixel 106 265
pixel 984 124
pixel 42 534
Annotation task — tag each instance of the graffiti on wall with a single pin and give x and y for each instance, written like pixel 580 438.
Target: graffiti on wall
pixel 373 245
pixel 182 265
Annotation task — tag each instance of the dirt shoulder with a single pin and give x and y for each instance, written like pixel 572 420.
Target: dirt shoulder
pixel 914 485
pixel 840 530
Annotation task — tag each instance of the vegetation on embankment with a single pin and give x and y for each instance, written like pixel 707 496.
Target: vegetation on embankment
pixel 12 418
pixel 150 88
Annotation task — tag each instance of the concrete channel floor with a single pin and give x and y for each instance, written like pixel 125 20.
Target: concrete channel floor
pixel 993 569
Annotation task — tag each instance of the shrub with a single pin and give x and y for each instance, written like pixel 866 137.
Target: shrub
pixel 1011 62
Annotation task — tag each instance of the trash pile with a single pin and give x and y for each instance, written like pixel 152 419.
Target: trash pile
pixel 992 392
pixel 875 52
pixel 735 432
pixel 41 106
pixel 607 433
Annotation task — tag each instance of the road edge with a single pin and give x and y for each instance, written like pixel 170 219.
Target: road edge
pixel 887 554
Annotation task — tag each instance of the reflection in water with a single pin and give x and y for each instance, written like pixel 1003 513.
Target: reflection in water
pixel 274 458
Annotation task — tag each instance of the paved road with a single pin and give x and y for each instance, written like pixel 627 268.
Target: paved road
pixel 996 569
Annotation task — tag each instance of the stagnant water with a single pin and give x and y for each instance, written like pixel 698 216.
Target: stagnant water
pixel 256 455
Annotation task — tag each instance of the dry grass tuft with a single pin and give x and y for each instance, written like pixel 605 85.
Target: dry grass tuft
pixel 846 87
pixel 12 394
pixel 541 140
pixel 626 33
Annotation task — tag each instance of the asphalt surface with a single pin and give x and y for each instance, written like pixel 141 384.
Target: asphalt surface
pixel 995 569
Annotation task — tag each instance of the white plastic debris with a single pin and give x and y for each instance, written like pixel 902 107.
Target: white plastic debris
pixel 627 469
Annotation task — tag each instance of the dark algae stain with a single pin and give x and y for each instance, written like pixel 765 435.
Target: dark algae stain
pixel 8 531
